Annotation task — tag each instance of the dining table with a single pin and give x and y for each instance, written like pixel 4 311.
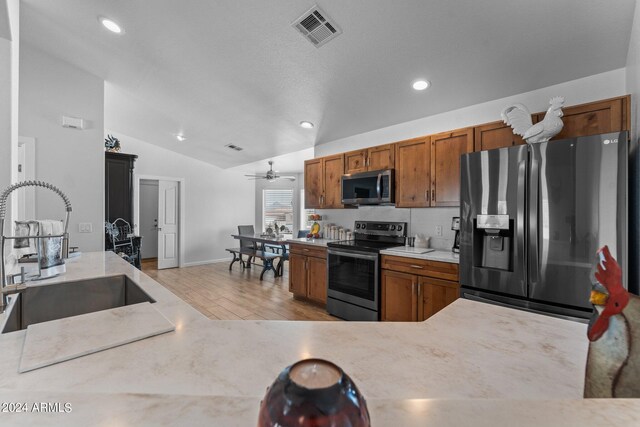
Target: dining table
pixel 262 242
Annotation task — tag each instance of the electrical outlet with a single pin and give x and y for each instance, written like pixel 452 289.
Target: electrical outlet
pixel 85 227
pixel 438 230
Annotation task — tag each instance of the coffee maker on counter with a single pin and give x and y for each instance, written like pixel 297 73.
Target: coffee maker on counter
pixel 455 226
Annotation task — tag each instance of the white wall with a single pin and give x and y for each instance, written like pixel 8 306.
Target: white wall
pixel 424 221
pixel 216 200
pixel 9 78
pixel 72 160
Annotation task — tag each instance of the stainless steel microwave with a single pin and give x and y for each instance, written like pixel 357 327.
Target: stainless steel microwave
pixel 368 188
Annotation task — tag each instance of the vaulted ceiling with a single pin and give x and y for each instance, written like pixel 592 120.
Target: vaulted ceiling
pixel 236 71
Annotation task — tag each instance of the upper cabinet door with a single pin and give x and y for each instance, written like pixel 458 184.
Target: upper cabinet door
pixel 355 161
pixel 313 178
pixel 611 115
pixel 333 168
pixel 381 157
pixel 413 173
pixel 495 135
pixel 446 149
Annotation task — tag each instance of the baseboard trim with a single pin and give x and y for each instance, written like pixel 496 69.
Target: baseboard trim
pixel 209 261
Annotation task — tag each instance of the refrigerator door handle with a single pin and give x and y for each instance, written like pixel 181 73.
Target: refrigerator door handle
pixel 534 198
pixel 520 218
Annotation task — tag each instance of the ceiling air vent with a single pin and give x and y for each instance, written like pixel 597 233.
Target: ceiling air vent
pixel 234 147
pixel 316 26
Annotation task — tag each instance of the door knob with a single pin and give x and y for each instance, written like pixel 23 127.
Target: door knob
pixel 159 229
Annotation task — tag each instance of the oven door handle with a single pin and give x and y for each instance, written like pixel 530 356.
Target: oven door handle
pixel 359 255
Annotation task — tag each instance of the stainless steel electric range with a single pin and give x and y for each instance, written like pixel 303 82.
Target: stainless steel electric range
pixel 353 269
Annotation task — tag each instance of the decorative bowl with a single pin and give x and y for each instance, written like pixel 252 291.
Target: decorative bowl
pixel 313 393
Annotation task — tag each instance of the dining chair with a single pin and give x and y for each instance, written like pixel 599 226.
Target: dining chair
pixel 250 231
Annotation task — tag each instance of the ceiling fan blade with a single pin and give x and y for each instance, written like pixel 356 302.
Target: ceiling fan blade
pixel 289 177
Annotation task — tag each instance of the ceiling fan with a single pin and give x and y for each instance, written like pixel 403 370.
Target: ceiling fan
pixel 271 175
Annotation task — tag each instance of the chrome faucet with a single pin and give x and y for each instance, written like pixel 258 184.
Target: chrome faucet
pixel 14 288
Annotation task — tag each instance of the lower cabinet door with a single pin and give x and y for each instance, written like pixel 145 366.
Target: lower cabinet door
pixel 399 297
pixel 298 274
pixel 317 279
pixel 434 295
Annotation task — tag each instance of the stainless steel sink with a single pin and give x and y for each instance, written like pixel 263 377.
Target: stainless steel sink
pixel 38 304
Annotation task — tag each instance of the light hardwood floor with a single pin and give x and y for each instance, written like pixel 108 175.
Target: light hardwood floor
pixel 234 295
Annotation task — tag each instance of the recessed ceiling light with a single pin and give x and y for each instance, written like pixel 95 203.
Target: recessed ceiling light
pixel 421 84
pixel 306 125
pixel 180 137
pixel 110 25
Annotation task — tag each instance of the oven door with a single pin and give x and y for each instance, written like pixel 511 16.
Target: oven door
pixel 353 277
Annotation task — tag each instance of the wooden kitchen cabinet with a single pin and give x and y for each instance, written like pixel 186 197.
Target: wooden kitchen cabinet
pixel 370 159
pixel 434 295
pixel 416 289
pixel 355 161
pixel 381 157
pixel 413 173
pixel 298 274
pixel 313 188
pixel 317 279
pixel 399 297
pixel 495 135
pixel 322 187
pixel 609 115
pixel 446 149
pixel 308 272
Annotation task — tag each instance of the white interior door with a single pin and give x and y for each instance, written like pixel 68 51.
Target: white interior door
pixel 168 221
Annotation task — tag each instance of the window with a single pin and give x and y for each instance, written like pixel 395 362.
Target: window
pixel 277 209
pixel 305 224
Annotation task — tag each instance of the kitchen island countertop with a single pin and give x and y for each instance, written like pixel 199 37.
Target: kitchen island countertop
pixel 211 370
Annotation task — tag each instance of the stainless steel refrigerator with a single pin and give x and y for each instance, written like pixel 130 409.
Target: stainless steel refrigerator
pixel 532 218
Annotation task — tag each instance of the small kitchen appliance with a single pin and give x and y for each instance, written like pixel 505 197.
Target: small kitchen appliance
pixel 368 188
pixel 455 226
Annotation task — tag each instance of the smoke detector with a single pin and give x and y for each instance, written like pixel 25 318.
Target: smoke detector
pixel 316 26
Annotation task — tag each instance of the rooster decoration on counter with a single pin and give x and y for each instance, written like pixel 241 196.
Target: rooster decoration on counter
pixel 613 362
pixel 519 118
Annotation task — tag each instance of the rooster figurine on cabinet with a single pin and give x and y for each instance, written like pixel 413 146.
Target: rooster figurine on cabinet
pixel 519 118
pixel 613 362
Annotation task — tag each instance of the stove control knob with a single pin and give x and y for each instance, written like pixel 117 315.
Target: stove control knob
pixel 357 225
pixel 399 228
pixel 364 226
pixel 393 227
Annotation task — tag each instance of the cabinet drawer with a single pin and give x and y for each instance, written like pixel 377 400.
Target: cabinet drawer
pixel 421 267
pixel 308 250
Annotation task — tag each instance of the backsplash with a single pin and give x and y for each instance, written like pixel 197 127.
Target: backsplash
pixel 421 221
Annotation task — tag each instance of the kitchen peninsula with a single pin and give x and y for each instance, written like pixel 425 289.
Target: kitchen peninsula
pixel 467 362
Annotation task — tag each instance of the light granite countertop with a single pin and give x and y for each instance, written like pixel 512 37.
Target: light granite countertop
pixel 469 359
pixel 312 242
pixel 436 255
